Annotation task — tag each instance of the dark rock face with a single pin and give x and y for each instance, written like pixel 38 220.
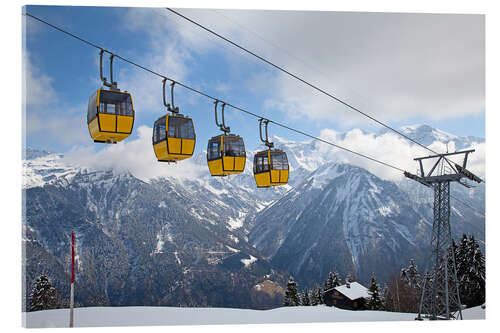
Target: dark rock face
pixel 137 244
pixel 211 241
pixel 342 217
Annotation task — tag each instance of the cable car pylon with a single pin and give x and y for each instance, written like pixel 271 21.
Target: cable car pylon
pixel 440 298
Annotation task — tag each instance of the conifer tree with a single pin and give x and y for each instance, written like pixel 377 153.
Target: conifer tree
pixel 43 296
pixel 330 281
pixel 291 293
pixel 470 272
pixel 319 292
pixel 305 298
pixel 375 301
pixel 315 296
pixel 461 257
pixel 336 280
pixel 413 276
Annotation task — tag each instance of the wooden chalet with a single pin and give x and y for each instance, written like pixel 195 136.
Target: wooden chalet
pixel 350 296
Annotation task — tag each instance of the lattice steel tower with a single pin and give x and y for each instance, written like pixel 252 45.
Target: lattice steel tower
pixel 440 297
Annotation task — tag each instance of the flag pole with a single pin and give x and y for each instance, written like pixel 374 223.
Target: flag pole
pixel 72 291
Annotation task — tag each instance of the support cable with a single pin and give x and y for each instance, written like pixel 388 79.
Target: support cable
pixel 234 106
pixel 300 79
pixel 214 98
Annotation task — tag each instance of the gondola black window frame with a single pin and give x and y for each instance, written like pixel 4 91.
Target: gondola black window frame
pixel 160 130
pixel 213 154
pixel 92 110
pixel 235 145
pixel 261 164
pixel 279 161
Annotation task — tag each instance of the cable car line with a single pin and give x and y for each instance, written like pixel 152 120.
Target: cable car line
pixel 300 79
pixel 465 204
pixel 216 100
pixel 211 97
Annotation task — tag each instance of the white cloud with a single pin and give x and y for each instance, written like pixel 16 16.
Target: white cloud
pixel 165 55
pixel 391 149
pixel 392 66
pixel 43 118
pixel 53 128
pixel 132 155
pixel 37 86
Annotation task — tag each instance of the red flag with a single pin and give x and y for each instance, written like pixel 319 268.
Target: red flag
pixel 72 257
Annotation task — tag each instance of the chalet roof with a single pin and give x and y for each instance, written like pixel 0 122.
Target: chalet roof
pixel 355 291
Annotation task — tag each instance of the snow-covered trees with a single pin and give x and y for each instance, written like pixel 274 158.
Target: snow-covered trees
pixel 315 296
pixel 291 293
pixel 470 271
pixel 43 296
pixel 332 281
pixel 413 275
pixel 375 300
pixel 399 296
pixel 305 301
pixel 350 278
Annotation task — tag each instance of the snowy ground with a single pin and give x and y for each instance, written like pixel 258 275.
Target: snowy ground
pixel 153 316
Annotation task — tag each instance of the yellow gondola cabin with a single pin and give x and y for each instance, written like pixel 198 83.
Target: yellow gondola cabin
pixel 270 168
pixel 226 155
pixel 110 116
pixel 173 138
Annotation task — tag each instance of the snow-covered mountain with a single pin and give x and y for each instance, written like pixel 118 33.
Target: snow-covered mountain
pixel 211 240
pixel 427 135
pixel 340 217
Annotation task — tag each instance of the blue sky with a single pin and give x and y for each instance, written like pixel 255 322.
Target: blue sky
pixel 62 72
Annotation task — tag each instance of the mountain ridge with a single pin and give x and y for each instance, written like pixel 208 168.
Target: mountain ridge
pixel 231 229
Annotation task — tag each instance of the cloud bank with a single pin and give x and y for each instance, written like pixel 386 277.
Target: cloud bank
pixel 133 155
pixel 393 66
pixel 392 149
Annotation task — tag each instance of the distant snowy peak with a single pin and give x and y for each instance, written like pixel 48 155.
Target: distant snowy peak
pixel 427 135
pixel 42 167
pixel 30 153
pixel 327 172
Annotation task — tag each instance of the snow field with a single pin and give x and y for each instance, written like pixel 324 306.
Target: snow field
pixel 156 316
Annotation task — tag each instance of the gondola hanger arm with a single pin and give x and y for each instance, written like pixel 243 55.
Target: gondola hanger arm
pixel 112 84
pixel 266 140
pixel 222 125
pixel 170 106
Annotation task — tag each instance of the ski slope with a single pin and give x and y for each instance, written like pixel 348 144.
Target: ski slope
pixel 154 316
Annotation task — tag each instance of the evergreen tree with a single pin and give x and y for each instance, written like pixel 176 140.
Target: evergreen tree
pixel 43 296
pixel 319 292
pixel 461 257
pixel 471 272
pixel 315 296
pixel 413 276
pixel 413 279
pixel 330 281
pixel 375 301
pixel 306 301
pixel 291 293
pixel 336 280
